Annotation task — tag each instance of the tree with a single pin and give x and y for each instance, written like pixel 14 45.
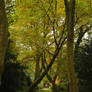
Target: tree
pixel 36 25
pixel 83 66
pixel 3 36
pixel 14 77
pixel 70 20
pixel 43 19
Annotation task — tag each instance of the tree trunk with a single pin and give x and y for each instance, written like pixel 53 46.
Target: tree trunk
pixel 70 12
pixel 37 68
pixel 36 82
pixel 3 36
pixel 51 80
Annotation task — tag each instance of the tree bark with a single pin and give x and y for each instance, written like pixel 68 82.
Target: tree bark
pixel 70 12
pixel 37 67
pixel 3 36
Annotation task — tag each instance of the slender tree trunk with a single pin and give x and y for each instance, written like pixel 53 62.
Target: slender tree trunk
pixel 37 68
pixel 51 80
pixel 3 36
pixel 70 12
pixel 35 84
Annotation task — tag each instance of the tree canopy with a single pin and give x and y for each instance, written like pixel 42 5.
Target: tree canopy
pixel 45 39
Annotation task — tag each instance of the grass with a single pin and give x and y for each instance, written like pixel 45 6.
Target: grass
pixel 45 90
